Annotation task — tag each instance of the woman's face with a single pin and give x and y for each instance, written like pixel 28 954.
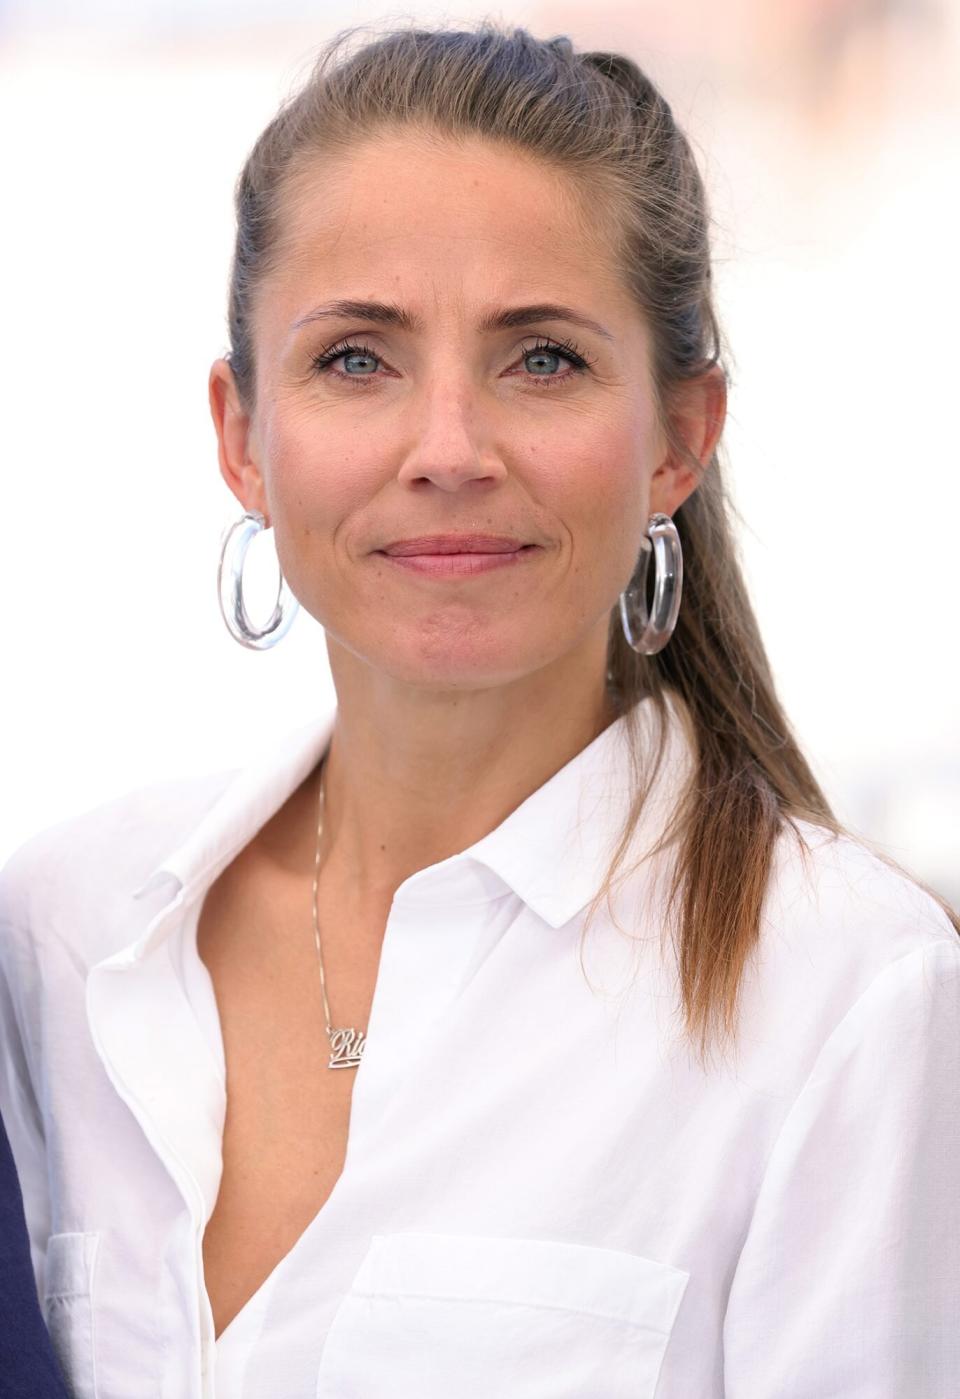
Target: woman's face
pixel 454 435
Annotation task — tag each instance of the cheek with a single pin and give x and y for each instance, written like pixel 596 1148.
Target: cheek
pixel 317 482
pixel 600 487
pixel 315 477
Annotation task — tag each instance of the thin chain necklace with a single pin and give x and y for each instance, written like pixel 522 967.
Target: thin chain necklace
pixel 346 1046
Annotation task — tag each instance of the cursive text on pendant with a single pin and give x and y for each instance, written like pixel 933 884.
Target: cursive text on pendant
pixel 346 1048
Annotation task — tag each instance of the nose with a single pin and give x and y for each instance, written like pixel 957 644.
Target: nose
pixel 451 446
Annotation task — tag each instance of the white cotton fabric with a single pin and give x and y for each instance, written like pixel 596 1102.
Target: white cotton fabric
pixel 545 1195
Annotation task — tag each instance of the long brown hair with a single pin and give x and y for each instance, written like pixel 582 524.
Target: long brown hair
pixel 597 117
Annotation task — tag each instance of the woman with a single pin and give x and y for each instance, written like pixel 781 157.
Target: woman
pixel 526 1026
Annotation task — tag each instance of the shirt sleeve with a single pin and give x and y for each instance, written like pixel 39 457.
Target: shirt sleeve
pixel 848 1283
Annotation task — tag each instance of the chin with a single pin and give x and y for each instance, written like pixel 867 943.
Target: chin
pixel 459 651
pixel 459 660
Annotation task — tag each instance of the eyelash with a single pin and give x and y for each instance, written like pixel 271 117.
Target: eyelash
pixel 565 348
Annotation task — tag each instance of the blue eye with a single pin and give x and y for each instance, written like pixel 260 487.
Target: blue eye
pixel 362 355
pixel 348 353
pixel 546 357
pixel 543 362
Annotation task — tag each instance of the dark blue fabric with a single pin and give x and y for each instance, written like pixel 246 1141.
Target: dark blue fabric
pixel 28 1366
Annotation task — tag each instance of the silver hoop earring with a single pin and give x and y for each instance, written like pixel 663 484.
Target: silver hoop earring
pixel 648 629
pixel 237 539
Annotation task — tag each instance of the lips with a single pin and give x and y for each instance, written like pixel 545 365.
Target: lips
pixel 453 544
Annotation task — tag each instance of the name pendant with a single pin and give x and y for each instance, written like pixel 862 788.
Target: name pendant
pixel 346 1049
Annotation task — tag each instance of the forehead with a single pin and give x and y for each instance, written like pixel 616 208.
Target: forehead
pixel 461 221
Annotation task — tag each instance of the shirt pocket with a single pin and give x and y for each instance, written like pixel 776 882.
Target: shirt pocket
pixel 68 1307
pixel 432 1315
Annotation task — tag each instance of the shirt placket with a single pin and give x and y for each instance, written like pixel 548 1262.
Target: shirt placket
pixel 152 1050
pixel 433 933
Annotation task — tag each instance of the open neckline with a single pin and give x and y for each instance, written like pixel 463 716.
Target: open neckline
pixel 197 985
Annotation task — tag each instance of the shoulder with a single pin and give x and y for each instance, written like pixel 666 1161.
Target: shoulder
pixel 101 854
pixel 836 895
pixel 839 922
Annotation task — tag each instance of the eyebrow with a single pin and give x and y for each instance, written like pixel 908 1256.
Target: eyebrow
pixel 389 314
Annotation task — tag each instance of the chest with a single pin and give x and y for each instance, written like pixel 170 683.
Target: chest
pixel 287 1113
pixel 501 1098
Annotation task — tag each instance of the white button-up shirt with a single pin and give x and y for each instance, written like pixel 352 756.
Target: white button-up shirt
pixel 545 1196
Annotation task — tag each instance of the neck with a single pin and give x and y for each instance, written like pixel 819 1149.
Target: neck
pixel 413 776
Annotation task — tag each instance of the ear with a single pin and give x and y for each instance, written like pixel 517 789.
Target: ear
pixel 236 441
pixel 696 412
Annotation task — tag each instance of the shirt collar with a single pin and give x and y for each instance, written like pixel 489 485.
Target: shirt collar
pixel 555 848
pixel 552 850
pixel 250 798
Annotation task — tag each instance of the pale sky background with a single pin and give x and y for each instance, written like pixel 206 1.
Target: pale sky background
pixel 829 134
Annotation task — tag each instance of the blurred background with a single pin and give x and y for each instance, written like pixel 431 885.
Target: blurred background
pixel 829 133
